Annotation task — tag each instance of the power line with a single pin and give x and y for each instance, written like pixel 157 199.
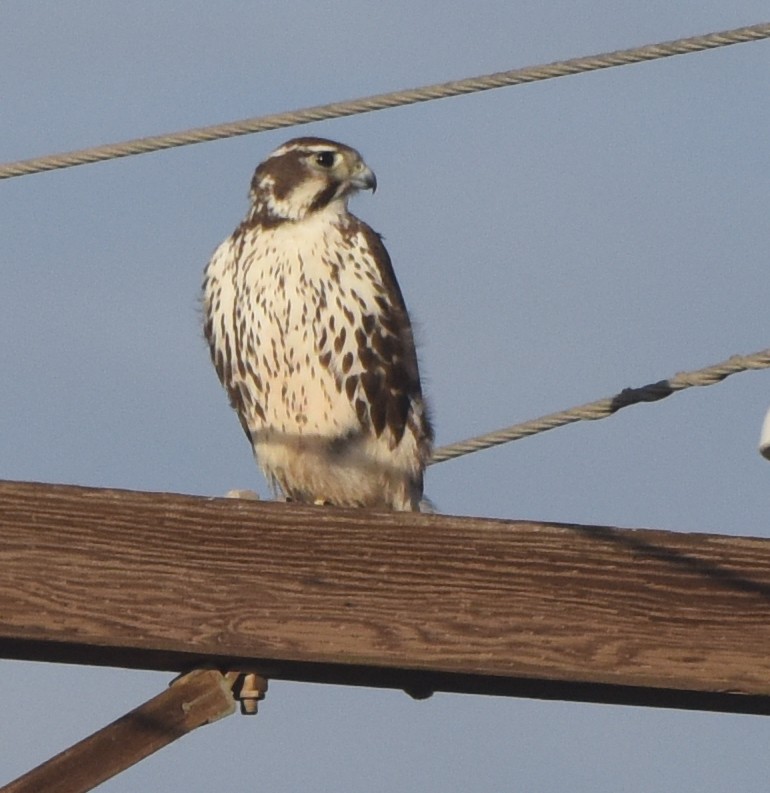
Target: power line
pixel 381 101
pixel 603 408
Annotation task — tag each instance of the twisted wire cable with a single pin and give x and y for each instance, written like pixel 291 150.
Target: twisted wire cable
pixel 603 408
pixel 381 101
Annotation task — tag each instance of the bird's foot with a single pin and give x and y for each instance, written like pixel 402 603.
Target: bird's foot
pixel 248 495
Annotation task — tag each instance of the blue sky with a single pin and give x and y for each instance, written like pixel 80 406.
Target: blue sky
pixel 555 243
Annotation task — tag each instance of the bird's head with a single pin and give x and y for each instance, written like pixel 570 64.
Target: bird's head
pixel 306 175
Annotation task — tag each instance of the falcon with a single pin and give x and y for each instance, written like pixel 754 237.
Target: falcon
pixel 310 337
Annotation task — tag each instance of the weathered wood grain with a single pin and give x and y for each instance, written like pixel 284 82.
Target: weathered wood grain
pixel 412 601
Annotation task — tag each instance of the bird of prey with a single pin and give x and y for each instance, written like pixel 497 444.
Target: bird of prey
pixel 310 336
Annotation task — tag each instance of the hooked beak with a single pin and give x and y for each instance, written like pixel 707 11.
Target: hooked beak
pixel 363 178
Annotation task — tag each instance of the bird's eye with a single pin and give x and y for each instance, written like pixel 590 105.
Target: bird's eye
pixel 326 159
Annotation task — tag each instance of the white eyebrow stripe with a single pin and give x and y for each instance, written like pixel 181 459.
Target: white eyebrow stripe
pixel 312 148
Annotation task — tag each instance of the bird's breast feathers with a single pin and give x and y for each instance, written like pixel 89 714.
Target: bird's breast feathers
pixel 295 311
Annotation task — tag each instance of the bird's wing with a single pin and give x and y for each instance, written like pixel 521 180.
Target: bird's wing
pixel 222 331
pixel 383 384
